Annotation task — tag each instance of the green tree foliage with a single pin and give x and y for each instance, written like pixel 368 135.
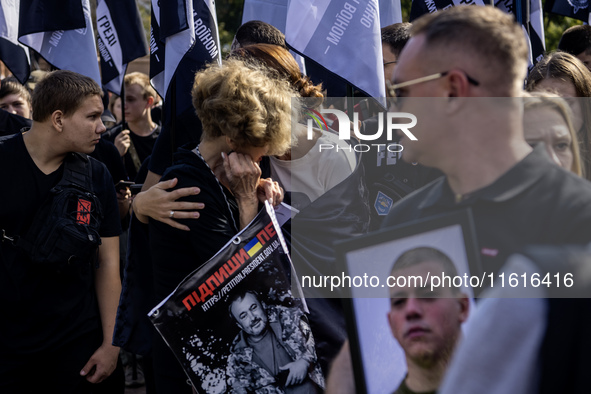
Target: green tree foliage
pixel 229 14
pixel 554 26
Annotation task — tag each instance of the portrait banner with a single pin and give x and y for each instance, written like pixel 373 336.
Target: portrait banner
pixel 236 324
pixel 442 247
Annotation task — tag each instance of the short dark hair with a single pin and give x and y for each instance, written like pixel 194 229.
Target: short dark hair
pixel 575 40
pixel 423 254
pixel 485 33
pixel 12 86
pixel 62 90
pixel 239 295
pixel 259 32
pixel 396 36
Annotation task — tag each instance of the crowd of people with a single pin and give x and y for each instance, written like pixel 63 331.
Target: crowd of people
pixel 511 145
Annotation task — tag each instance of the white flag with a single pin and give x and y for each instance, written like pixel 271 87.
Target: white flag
pixel 390 12
pixel 343 37
pixel 274 12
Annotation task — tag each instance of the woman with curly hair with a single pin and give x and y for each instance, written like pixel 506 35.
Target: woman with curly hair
pixel 246 115
pixel 304 168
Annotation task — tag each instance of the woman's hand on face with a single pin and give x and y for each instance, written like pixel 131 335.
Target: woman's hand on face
pixel 243 175
pixel 270 190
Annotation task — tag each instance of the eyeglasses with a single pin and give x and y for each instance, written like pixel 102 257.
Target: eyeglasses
pixel 393 62
pixel 396 87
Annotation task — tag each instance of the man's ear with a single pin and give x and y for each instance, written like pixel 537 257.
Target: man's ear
pixel 457 88
pixel 464 305
pixel 57 118
pixel 458 83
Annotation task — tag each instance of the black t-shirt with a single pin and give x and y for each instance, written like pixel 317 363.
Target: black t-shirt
pixel 177 253
pixel 11 124
pixel 45 309
pixel 107 153
pixel 188 130
pixel 143 146
pixel 535 202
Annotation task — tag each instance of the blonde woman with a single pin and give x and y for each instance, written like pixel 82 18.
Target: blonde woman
pixel 548 118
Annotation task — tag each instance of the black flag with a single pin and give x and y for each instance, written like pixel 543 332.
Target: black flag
pixel 12 53
pixel 577 9
pixel 62 32
pixel 121 39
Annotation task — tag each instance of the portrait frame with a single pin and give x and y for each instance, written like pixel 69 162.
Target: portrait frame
pixel 378 360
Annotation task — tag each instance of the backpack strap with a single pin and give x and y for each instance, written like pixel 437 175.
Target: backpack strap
pixel 77 171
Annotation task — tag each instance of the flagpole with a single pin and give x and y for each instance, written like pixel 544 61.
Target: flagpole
pixel 173 116
pixel 350 101
pixel 122 98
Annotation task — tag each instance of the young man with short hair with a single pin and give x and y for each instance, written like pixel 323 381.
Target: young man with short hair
pixel 136 139
pixel 15 98
pixel 576 40
pixel 394 38
pixel 60 311
pixel 426 324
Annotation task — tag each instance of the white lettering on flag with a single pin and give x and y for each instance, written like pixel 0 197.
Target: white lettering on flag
pixel 343 37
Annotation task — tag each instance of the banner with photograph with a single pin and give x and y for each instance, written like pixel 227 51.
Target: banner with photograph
pixel 235 325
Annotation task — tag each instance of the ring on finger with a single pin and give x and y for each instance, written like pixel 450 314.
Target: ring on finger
pixel 171 214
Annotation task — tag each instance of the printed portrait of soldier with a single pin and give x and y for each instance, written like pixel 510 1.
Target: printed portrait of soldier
pixel 426 320
pixel 274 350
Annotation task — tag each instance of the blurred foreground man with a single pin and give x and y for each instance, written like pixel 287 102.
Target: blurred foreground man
pixel 461 74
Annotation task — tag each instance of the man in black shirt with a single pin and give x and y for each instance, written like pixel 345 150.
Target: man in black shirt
pixel 518 197
pixel 59 323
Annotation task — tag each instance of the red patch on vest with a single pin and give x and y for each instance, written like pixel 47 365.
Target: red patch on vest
pixel 83 212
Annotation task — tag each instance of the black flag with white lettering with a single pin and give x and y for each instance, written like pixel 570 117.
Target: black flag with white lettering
pixel 38 16
pixel 531 18
pixel 204 51
pixel 421 7
pixel 577 9
pixel 532 24
pixel 182 55
pixel 12 53
pixel 120 40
